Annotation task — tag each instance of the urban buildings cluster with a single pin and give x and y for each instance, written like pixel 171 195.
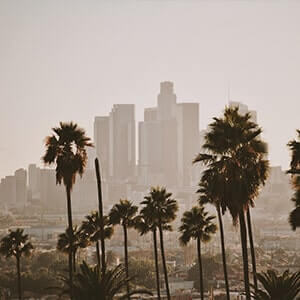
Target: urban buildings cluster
pixel 167 141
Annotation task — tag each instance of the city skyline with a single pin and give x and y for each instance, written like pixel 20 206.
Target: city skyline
pixel 72 61
pixel 105 119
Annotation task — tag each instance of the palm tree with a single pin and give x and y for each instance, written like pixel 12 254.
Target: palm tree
pixel 91 284
pixel 16 244
pixel 101 217
pixel 211 188
pixel 278 287
pixel 197 224
pixel 146 223
pixel 294 170
pixel 234 149
pixel 91 228
pixel 70 241
pixel 164 210
pixel 123 213
pixel 66 148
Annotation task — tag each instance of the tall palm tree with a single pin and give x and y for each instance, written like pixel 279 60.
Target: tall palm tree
pixel 16 244
pixel 101 217
pixel 164 210
pixel 197 224
pixel 145 223
pixel 92 229
pixel 66 148
pixel 211 188
pixel 123 213
pixel 70 241
pixel 234 149
pixel 294 170
pixel 285 286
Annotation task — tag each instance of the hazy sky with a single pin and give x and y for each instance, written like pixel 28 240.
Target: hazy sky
pixel 72 60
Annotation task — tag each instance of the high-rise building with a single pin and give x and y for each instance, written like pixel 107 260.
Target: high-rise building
pixel 34 176
pixel 21 187
pixel 187 140
pixel 8 191
pixel 150 152
pixel 122 159
pixel 243 109
pixel 101 140
pixel 168 140
pixel 52 196
pixel 166 101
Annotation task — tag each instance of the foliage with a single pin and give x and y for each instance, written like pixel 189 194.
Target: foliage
pixel 277 287
pixel 162 206
pixel 66 148
pixel 196 223
pixel 71 241
pixel 143 272
pixel 91 227
pixel 90 284
pixel 294 170
pixel 123 213
pixel 16 244
pixel 211 267
pixel 235 157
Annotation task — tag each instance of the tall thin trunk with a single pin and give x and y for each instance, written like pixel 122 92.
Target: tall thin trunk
pixel 200 268
pixel 156 263
pixel 100 204
pixel 126 259
pixel 70 224
pixel 223 251
pixel 74 261
pixel 164 261
pixel 98 254
pixel 19 278
pixel 243 232
pixel 249 226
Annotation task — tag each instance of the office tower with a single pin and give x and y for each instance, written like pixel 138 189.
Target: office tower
pixel 150 114
pixel 52 196
pixel 101 140
pixel 169 140
pixel 8 191
pixel 150 152
pixel 243 109
pixel 187 140
pixel 122 158
pixel 166 114
pixel 166 101
pixel 21 187
pixel 34 176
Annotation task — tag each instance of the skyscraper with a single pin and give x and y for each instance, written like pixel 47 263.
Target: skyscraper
pixel 188 143
pixel 168 140
pixel 101 140
pixel 122 159
pixel 243 109
pixel 21 187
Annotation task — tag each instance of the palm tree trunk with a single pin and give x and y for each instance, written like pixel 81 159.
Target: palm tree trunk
pixel 19 278
pixel 243 232
pixel 156 263
pixel 70 224
pixel 98 254
pixel 100 204
pixel 200 268
pixel 223 251
pixel 249 226
pixel 126 259
pixel 164 261
pixel 74 262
